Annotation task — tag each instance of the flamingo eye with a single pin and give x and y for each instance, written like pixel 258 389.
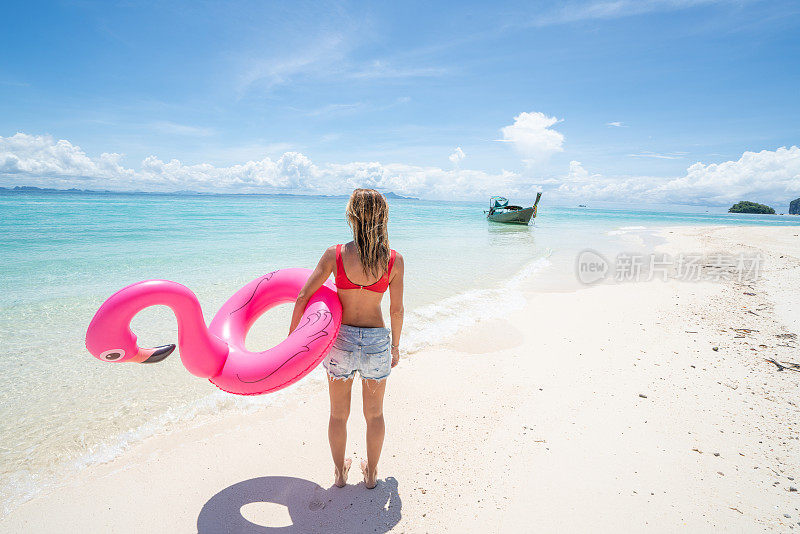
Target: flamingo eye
pixel 112 355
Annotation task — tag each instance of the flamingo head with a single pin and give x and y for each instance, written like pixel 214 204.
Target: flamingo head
pixel 109 337
pixel 121 346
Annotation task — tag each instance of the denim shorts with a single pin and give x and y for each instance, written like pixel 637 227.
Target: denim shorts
pixel 366 350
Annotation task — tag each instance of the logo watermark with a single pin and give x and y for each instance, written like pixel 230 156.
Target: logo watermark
pixel 592 267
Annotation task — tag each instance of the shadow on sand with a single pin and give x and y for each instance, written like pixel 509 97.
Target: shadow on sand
pixel 311 508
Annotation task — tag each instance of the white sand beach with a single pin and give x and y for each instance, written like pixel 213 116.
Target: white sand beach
pixel 602 409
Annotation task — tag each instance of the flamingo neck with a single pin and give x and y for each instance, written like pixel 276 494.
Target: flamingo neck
pixel 202 353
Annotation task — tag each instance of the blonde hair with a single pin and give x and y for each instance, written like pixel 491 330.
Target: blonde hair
pixel 368 216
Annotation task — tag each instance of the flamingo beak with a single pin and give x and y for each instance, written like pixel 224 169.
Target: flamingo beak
pixel 153 355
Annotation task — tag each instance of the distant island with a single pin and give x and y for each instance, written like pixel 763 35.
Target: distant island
pixel 34 189
pixel 751 207
pixel 794 207
pixel 392 194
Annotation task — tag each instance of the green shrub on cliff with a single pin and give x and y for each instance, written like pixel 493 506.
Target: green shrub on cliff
pixel 794 207
pixel 750 207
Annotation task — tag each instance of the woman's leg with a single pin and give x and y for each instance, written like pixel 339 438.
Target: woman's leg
pixel 372 394
pixel 339 390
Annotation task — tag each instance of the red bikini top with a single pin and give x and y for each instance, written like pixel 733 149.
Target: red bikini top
pixel 342 282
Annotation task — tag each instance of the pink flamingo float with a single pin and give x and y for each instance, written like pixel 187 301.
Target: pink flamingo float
pixel 217 352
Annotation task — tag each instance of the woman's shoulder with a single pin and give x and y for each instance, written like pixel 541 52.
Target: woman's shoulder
pixel 398 258
pixel 330 253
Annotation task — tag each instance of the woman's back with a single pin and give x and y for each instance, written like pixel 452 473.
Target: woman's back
pixel 360 293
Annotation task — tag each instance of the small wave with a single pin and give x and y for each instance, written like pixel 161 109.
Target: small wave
pixel 626 229
pixel 432 324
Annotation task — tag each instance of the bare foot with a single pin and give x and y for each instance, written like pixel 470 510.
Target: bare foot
pixel 370 481
pixel 340 479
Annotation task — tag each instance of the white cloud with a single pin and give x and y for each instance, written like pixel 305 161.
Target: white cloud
pixel 615 124
pixel 657 155
pixel 532 136
pixel 581 184
pixel 173 128
pixel 569 12
pixel 327 50
pixel 44 162
pixel 42 156
pixel 335 109
pixel 769 176
pixel 328 57
pixel 330 137
pixel 353 107
pixel 384 69
pixel 577 174
pixel 456 156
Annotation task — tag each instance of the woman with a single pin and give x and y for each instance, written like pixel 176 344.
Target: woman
pixel 364 269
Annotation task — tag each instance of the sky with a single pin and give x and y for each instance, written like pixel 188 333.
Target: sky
pixel 641 101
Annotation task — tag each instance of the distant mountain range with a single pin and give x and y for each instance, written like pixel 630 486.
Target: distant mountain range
pixel 32 189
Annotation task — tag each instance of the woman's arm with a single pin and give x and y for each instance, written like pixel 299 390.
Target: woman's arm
pixel 396 306
pixel 321 273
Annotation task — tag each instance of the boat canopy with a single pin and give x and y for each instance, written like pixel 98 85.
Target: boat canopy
pixel 498 202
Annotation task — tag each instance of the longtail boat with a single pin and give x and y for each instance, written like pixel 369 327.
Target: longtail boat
pixel 500 211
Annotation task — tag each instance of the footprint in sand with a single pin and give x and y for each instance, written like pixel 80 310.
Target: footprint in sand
pixel 316 505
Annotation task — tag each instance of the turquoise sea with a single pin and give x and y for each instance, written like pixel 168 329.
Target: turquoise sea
pixel 63 254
